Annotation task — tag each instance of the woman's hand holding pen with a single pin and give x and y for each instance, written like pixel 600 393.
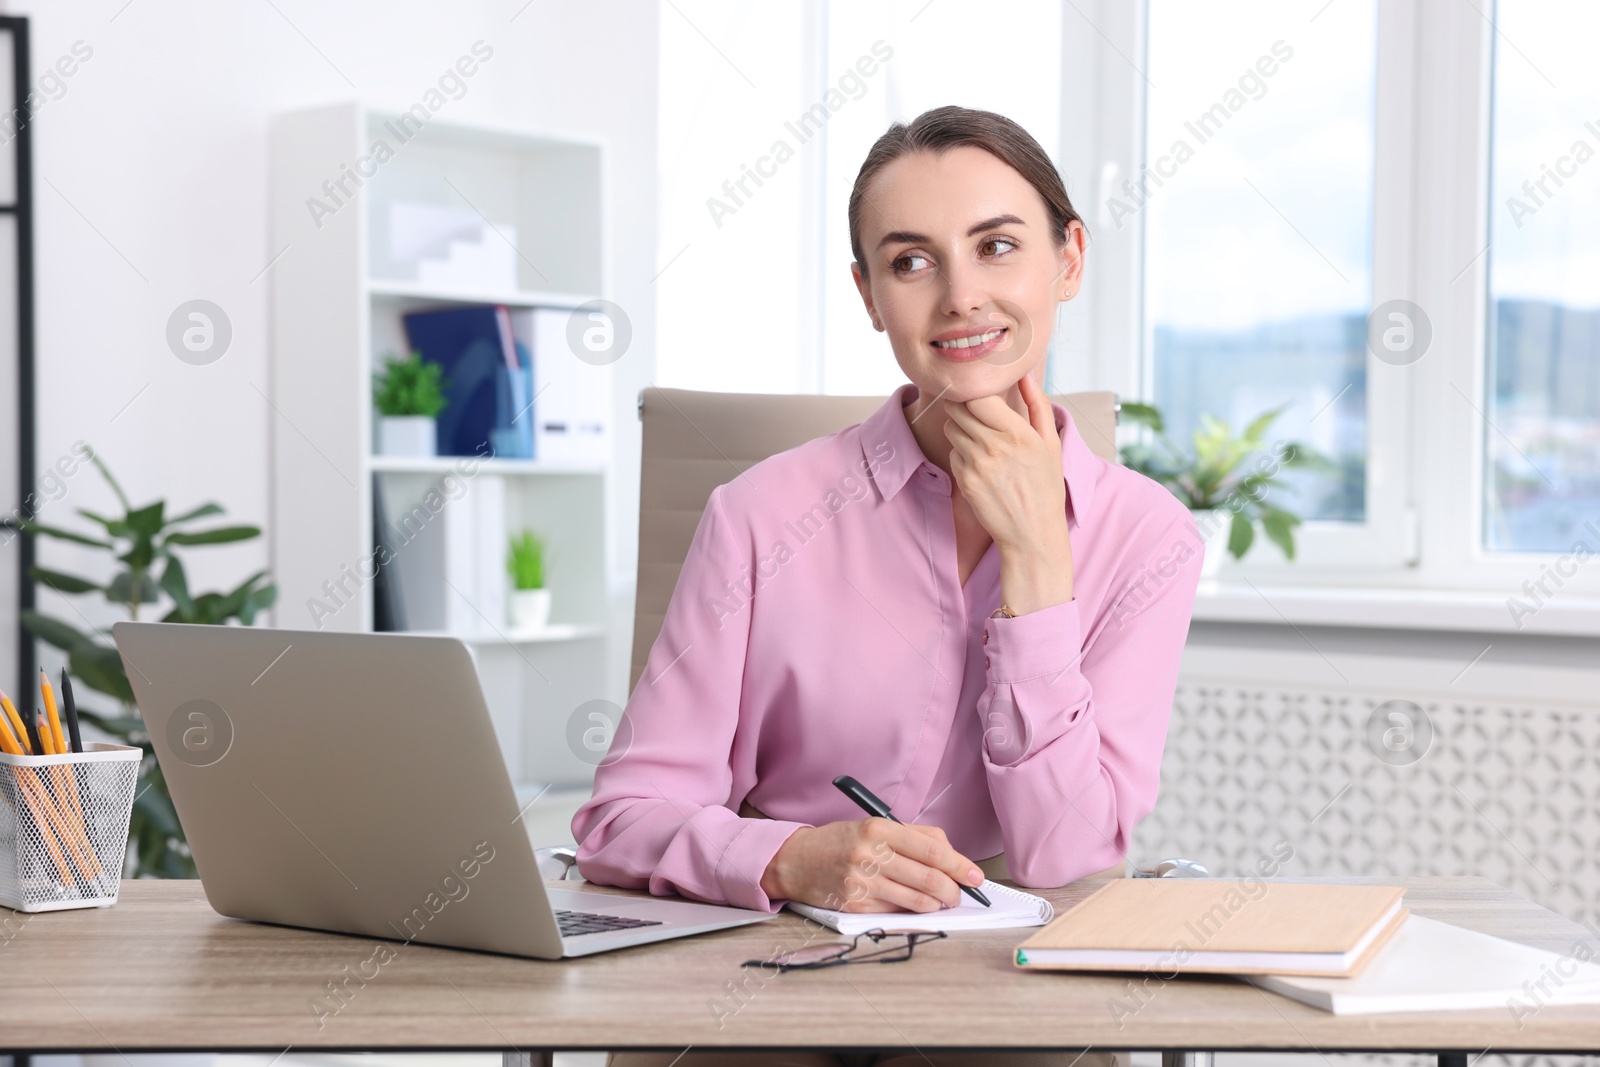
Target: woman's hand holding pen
pixel 870 865
pixel 1009 471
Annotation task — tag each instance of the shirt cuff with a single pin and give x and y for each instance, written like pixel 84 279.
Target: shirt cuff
pixel 746 861
pixel 1047 641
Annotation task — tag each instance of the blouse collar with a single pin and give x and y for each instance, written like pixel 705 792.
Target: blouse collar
pixel 888 424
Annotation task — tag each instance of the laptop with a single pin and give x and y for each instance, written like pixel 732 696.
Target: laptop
pixel 353 783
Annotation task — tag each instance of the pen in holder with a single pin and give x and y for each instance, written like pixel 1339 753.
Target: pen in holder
pixel 64 827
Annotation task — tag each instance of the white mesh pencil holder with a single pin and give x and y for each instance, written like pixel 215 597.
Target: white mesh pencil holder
pixel 64 826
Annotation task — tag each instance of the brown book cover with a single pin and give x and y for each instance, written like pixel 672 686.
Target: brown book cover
pixel 1185 925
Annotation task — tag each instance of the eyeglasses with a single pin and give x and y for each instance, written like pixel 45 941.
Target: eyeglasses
pixel 891 946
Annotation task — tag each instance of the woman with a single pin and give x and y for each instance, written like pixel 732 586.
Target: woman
pixel 954 601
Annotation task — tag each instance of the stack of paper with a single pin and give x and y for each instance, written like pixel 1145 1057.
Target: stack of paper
pixel 1433 966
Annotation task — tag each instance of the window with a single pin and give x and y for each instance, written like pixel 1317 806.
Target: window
pixel 1264 181
pixel 1542 454
pixel 1258 192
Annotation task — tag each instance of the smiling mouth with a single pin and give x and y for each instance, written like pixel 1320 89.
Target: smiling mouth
pixel 973 340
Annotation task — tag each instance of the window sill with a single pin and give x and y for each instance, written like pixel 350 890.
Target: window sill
pixel 1375 607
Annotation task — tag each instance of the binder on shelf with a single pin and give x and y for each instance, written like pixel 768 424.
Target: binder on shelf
pixel 571 397
pixel 490 577
pixel 473 346
pixel 459 522
pixel 446 561
pixel 388 606
pixel 513 436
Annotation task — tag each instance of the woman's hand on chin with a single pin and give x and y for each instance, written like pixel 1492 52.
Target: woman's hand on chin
pixel 871 865
pixel 1009 470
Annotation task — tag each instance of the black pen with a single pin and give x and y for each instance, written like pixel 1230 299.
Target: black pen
pixel 873 806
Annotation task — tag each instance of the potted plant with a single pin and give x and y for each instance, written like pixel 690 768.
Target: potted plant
pixel 143 544
pixel 409 394
pixel 1227 497
pixel 530 600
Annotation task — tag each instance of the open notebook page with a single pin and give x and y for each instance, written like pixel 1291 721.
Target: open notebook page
pixel 1011 909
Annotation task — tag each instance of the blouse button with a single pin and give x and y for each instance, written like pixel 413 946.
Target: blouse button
pixel 986 661
pixel 986 637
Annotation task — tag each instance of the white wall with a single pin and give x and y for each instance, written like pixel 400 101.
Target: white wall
pixel 150 176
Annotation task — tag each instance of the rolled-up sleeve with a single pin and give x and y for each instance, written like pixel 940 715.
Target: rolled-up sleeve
pixel 1073 733
pixel 659 816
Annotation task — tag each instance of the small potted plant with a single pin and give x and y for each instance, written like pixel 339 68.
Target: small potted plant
pixel 1227 498
pixel 530 599
pixel 409 394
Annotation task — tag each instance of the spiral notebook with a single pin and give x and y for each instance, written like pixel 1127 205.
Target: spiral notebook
pixel 1010 909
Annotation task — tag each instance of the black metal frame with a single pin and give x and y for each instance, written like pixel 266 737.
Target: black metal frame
pixel 22 209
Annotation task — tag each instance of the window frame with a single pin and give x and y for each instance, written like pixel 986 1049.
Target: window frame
pixel 1426 492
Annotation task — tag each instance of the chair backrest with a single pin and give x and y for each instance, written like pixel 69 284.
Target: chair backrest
pixel 694 441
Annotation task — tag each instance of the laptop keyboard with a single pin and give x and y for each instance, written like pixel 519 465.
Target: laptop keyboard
pixel 574 923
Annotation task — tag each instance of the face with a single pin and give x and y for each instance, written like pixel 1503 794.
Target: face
pixel 962 272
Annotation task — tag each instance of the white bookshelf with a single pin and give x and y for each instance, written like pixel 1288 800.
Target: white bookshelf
pixel 340 289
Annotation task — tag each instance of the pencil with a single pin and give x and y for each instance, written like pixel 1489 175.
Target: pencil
pixel 63 806
pixel 45 824
pixel 35 746
pixel 71 707
pixel 17 744
pixel 57 741
pixel 72 838
pixel 69 773
pixel 16 724
pixel 52 826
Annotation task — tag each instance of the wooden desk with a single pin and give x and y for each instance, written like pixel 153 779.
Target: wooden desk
pixel 162 971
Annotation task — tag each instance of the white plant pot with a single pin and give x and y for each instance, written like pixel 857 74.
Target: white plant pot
pixel 407 435
pixel 1214 527
pixel 530 608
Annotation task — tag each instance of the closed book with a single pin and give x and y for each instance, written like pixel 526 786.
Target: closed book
pixel 1207 926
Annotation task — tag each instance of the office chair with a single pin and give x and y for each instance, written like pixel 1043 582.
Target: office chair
pixel 694 441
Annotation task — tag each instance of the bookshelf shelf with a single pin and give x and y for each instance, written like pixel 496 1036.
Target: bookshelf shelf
pixel 553 632
pixel 383 289
pixel 455 214
pixel 509 467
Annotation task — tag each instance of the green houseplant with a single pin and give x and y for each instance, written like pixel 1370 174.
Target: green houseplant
pixel 1227 494
pixel 409 394
pixel 530 599
pixel 143 543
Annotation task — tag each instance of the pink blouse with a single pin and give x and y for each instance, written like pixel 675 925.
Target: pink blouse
pixel 819 627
